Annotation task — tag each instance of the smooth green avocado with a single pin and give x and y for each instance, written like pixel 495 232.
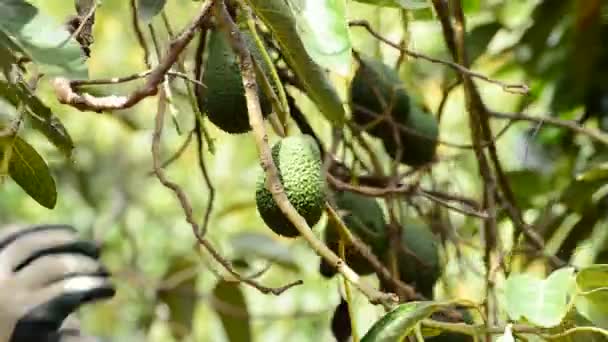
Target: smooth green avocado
pixel 375 90
pixel 224 98
pixel 418 138
pixel 298 161
pixel 363 216
pixel 419 258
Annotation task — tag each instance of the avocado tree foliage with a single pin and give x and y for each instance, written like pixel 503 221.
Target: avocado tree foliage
pixel 366 133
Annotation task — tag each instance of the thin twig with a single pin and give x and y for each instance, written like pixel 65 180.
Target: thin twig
pixel 546 119
pixel 177 153
pixel 511 88
pixel 273 183
pixel 66 94
pixel 210 187
pixel 139 34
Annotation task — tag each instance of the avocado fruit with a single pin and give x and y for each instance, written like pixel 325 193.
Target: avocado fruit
pixel 363 216
pixel 418 138
pixel 418 258
pixel 298 161
pixel 377 90
pixel 223 99
pixel 381 106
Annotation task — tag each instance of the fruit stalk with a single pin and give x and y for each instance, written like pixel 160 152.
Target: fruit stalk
pixel 273 184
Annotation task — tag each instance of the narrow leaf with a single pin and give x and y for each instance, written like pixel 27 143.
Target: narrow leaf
pixel 148 9
pixel 277 15
pixel 323 28
pixel 398 323
pixel 231 306
pixel 30 171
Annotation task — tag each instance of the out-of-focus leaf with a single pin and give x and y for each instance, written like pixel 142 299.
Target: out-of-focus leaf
pixel 399 322
pixel 340 322
pixel 231 306
pixel 478 39
pixel 179 294
pixel 598 172
pixel 42 118
pixel 542 302
pixel 148 9
pixel 29 170
pixel 262 246
pixel 592 301
pixel 323 28
pixel 406 4
pixel 578 195
pixel 47 42
pixel 277 15
pixel 527 184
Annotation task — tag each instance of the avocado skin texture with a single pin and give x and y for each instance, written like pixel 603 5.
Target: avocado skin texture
pixel 373 81
pixel 421 270
pixel 224 98
pixel 364 218
pixel 416 150
pixel 298 161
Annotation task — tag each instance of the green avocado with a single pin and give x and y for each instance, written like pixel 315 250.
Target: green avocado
pixel 375 90
pixel 224 98
pixel 298 161
pixel 363 216
pixel 419 258
pixel 418 138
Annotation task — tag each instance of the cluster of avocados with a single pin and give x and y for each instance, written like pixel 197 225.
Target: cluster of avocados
pixel 381 106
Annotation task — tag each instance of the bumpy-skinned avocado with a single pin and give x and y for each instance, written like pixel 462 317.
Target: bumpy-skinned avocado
pixel 224 98
pixel 363 216
pixel 418 138
pixel 376 90
pixel 298 161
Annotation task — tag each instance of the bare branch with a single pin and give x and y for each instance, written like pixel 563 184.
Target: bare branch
pixel 511 88
pixel 66 94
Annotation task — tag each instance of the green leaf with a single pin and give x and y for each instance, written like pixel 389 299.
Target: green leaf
pixel 228 300
pixel 263 246
pixel 148 9
pixel 29 170
pixel 598 172
pixel 323 28
pixel 406 4
pixel 42 118
pixel 478 39
pixel 592 301
pixel 277 15
pixel 542 302
pixel 47 42
pixel 399 322
pixel 180 295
